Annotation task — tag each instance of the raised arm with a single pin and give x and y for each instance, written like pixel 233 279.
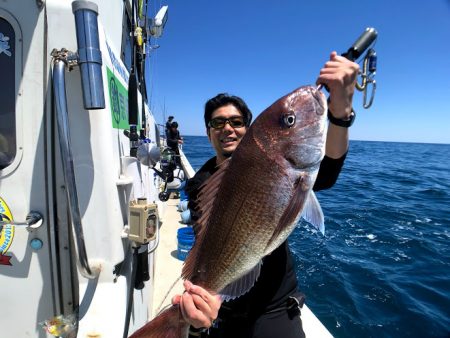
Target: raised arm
pixel 339 75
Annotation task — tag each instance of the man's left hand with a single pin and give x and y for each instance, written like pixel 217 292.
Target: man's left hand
pixel 339 75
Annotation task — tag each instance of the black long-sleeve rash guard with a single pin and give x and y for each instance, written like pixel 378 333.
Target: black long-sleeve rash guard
pixel 277 280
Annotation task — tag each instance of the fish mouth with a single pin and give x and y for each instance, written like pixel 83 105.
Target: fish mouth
pixel 320 99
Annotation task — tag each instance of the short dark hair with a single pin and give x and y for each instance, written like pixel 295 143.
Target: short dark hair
pixel 170 118
pixel 174 124
pixel 224 99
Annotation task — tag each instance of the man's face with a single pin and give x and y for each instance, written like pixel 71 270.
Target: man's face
pixel 226 139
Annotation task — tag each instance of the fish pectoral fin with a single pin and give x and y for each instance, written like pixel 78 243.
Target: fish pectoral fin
pixel 241 285
pixel 312 212
pixel 290 215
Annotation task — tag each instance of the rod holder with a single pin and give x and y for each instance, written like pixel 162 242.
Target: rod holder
pixel 89 54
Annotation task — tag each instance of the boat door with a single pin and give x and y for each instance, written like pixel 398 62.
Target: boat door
pixel 28 278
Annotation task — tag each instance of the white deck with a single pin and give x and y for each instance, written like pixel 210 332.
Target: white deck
pixel 168 269
pixel 167 265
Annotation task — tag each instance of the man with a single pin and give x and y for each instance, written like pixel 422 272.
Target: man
pixel 270 309
pixel 168 124
pixel 174 139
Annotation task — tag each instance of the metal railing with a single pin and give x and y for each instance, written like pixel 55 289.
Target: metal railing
pixel 68 168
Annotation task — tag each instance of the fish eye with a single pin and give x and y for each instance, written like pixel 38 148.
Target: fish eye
pixel 289 120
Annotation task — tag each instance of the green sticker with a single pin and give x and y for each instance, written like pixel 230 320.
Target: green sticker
pixel 118 96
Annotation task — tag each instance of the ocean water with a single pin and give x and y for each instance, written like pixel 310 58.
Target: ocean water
pixel 383 267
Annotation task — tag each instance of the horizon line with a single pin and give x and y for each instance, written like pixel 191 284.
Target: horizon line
pixel 359 140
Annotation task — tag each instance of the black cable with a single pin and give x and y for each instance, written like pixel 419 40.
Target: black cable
pixel 132 81
pixel 130 293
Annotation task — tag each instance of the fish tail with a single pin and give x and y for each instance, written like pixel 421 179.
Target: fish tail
pixel 168 324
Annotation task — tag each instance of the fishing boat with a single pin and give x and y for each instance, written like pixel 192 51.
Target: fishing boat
pixel 85 178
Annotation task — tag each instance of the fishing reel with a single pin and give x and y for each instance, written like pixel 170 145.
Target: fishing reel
pixel 369 67
pixel 149 155
pixel 168 165
pixel 134 139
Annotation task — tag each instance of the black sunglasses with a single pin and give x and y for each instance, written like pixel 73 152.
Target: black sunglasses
pixel 220 122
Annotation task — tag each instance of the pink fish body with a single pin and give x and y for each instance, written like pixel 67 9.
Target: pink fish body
pixel 253 202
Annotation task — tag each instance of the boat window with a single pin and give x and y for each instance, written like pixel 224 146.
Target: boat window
pixel 7 94
pixel 126 41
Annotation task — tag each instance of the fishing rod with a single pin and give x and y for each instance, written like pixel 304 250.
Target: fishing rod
pixel 369 67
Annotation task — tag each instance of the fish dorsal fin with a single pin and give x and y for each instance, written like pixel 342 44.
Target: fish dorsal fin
pixel 205 202
pixel 241 285
pixel 312 212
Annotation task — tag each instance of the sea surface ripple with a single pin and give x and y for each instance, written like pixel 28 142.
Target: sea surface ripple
pixel 383 267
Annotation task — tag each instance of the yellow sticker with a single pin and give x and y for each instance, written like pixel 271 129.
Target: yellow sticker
pixel 6 234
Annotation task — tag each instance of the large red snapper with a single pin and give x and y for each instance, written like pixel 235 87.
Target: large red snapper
pixel 253 202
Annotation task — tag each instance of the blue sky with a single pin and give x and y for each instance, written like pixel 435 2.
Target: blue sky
pixel 261 50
